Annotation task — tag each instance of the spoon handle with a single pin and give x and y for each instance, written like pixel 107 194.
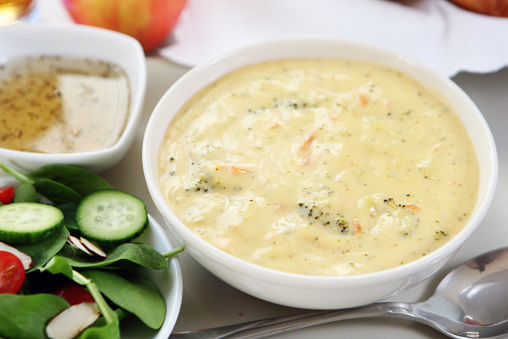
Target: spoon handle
pixel 272 326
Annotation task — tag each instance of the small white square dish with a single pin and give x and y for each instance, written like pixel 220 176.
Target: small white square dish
pixel 59 46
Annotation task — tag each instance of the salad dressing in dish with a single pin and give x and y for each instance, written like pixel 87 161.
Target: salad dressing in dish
pixel 54 104
pixel 320 167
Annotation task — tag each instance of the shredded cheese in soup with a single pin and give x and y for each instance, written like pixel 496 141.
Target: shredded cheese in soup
pixel 320 167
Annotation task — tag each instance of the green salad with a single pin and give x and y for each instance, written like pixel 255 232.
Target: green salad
pixel 69 257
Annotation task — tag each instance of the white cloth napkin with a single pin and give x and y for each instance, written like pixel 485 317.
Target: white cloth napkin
pixel 435 32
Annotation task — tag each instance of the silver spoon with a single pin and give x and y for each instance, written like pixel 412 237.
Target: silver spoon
pixel 470 302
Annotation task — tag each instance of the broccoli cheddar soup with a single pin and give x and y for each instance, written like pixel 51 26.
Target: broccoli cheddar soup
pixel 320 167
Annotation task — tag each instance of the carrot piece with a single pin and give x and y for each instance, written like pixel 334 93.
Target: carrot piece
pixel 362 99
pixel 412 207
pixel 232 168
pixel 357 228
pixel 305 146
pixel 437 146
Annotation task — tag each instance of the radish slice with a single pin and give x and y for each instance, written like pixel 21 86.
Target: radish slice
pixel 72 321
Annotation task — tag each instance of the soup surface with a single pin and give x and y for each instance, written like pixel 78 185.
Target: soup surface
pixel 320 167
pixel 54 104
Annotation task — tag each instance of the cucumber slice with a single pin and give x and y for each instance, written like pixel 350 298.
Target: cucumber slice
pixel 28 222
pixel 111 217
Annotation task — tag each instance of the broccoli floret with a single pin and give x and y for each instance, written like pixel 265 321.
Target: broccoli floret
pixel 404 215
pixel 319 214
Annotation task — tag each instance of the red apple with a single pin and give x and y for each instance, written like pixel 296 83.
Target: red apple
pixel 149 21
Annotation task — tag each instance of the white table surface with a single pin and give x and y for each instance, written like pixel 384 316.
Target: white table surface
pixel 208 302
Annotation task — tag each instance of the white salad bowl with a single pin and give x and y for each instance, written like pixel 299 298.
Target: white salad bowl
pixel 317 292
pixel 169 281
pixel 32 40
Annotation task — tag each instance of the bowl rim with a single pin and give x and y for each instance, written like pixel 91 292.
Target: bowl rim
pixel 398 61
pixel 175 296
pixel 137 85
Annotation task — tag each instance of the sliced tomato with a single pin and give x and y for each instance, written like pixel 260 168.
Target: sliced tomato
pixel 12 273
pixel 74 294
pixel 6 194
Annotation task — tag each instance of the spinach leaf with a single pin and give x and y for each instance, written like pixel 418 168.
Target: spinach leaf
pixel 53 190
pixel 135 293
pixel 108 331
pixel 25 193
pixel 103 330
pixel 21 177
pixel 58 265
pixel 81 181
pixel 69 211
pixel 56 192
pixel 122 256
pixel 120 313
pixel 26 316
pixel 42 251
